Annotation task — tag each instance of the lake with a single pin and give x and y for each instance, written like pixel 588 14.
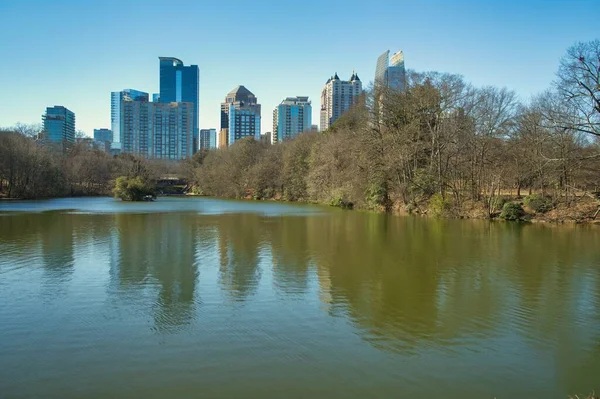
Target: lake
pixel 208 298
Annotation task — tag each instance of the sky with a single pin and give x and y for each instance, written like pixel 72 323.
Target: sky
pixel 74 53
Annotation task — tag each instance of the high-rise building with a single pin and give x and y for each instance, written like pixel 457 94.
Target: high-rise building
pixel 240 117
pixel 59 127
pixel 337 97
pixel 208 139
pixel 292 117
pixel 156 130
pixel 103 135
pixel 179 83
pixel 116 103
pixel 390 71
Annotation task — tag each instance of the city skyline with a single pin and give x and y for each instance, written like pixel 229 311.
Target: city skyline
pixel 484 42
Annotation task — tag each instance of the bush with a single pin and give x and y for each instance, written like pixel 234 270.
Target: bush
pixel 132 189
pixel 538 203
pixel 512 211
pixel 497 203
pixel 438 206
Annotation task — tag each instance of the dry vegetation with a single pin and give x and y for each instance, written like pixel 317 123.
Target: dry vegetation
pixel 442 148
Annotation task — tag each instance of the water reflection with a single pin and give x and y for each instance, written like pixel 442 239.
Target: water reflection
pixel 482 296
pixel 159 251
pixel 239 245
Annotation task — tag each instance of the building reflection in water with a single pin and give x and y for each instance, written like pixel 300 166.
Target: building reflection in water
pixel 239 237
pixel 157 252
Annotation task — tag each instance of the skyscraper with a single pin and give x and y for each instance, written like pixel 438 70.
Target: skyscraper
pixel 337 97
pixel 156 130
pixel 292 117
pixel 208 139
pixel 179 83
pixel 390 71
pixel 103 135
pixel 59 127
pixel 240 117
pixel 116 103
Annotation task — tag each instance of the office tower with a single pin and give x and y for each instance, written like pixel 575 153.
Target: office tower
pixel 59 127
pixel 103 135
pixel 116 103
pixel 240 117
pixel 103 139
pixel 292 117
pixel 337 97
pixel 155 97
pixel 156 130
pixel 208 139
pixel 179 83
pixel 390 72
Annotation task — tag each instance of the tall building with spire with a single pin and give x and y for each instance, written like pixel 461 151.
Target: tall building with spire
pixel 240 117
pixel 390 71
pixel 337 97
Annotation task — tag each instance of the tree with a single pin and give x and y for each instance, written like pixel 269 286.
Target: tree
pixel 132 189
pixel 579 85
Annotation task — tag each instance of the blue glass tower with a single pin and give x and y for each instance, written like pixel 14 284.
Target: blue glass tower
pixel 292 117
pixel 59 126
pixel 179 83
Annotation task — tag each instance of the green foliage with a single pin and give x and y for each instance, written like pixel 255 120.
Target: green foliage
pixel 376 196
pixel 538 203
pixel 438 205
pixel 423 183
pixel 132 189
pixel 512 211
pixel 497 203
pixel 339 201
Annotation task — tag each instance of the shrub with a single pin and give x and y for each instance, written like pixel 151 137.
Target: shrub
pixel 497 203
pixel 538 203
pixel 131 189
pixel 438 206
pixel 512 211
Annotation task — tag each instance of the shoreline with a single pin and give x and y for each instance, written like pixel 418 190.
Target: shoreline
pixel 558 216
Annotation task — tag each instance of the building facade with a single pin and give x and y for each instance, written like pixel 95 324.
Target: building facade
pixel 208 139
pixel 240 117
pixel 337 97
pixel 292 117
pixel 179 83
pixel 116 104
pixel 103 135
pixel 390 72
pixel 59 127
pixel 156 130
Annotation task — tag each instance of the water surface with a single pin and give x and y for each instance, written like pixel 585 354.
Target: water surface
pixel 195 297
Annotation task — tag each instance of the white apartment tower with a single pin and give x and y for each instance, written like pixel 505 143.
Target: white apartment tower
pixel 337 97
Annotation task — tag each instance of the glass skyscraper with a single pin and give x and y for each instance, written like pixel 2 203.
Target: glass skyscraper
pixel 208 139
pixel 179 83
pixel 103 135
pixel 59 126
pixel 292 117
pixel 390 71
pixel 116 105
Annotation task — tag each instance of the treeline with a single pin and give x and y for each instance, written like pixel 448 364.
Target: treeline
pixel 443 146
pixel 30 169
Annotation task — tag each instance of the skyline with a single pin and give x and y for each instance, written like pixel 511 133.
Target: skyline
pixel 76 58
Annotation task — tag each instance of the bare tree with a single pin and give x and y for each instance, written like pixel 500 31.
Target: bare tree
pixel 579 85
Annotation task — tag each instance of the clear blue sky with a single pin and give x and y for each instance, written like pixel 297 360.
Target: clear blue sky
pixel 74 53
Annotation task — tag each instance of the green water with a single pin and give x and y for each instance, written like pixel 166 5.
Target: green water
pixel 204 298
